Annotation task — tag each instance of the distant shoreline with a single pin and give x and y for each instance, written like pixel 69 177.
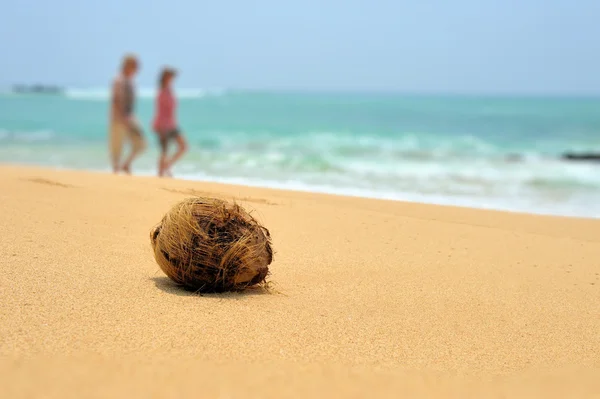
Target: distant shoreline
pixel 36 89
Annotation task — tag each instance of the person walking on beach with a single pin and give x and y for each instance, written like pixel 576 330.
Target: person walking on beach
pixel 123 124
pixel 165 123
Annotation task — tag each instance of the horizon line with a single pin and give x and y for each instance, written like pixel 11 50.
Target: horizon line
pixel 297 90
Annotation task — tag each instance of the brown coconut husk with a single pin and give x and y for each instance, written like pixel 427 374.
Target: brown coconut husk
pixel 210 245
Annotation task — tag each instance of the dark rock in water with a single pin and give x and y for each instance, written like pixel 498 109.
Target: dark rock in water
pixel 581 157
pixel 514 158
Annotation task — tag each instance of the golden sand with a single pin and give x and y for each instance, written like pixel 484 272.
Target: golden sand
pixel 373 298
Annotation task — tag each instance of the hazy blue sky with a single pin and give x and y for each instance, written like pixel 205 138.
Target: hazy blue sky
pixel 419 45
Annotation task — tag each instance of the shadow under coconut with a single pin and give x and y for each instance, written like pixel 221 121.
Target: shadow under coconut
pixel 167 285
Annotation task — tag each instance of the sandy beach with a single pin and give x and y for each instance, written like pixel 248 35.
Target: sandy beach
pixel 371 298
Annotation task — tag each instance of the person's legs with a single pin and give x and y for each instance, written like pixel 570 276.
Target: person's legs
pixel 162 159
pixel 181 149
pixel 138 144
pixel 116 145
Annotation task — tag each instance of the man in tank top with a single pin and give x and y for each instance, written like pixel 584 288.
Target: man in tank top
pixel 123 124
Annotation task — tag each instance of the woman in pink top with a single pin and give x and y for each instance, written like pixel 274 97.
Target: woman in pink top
pixel 165 124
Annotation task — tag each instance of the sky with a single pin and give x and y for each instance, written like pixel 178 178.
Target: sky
pixel 440 46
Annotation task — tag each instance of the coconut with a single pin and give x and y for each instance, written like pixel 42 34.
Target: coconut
pixel 211 245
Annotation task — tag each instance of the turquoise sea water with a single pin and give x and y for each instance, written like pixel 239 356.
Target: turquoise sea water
pixel 500 153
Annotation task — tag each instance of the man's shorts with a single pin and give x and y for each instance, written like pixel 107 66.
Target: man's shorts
pixel 121 132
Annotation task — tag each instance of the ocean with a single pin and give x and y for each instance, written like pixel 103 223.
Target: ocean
pixel 486 152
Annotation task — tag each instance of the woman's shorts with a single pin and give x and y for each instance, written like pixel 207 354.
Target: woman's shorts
pixel 166 138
